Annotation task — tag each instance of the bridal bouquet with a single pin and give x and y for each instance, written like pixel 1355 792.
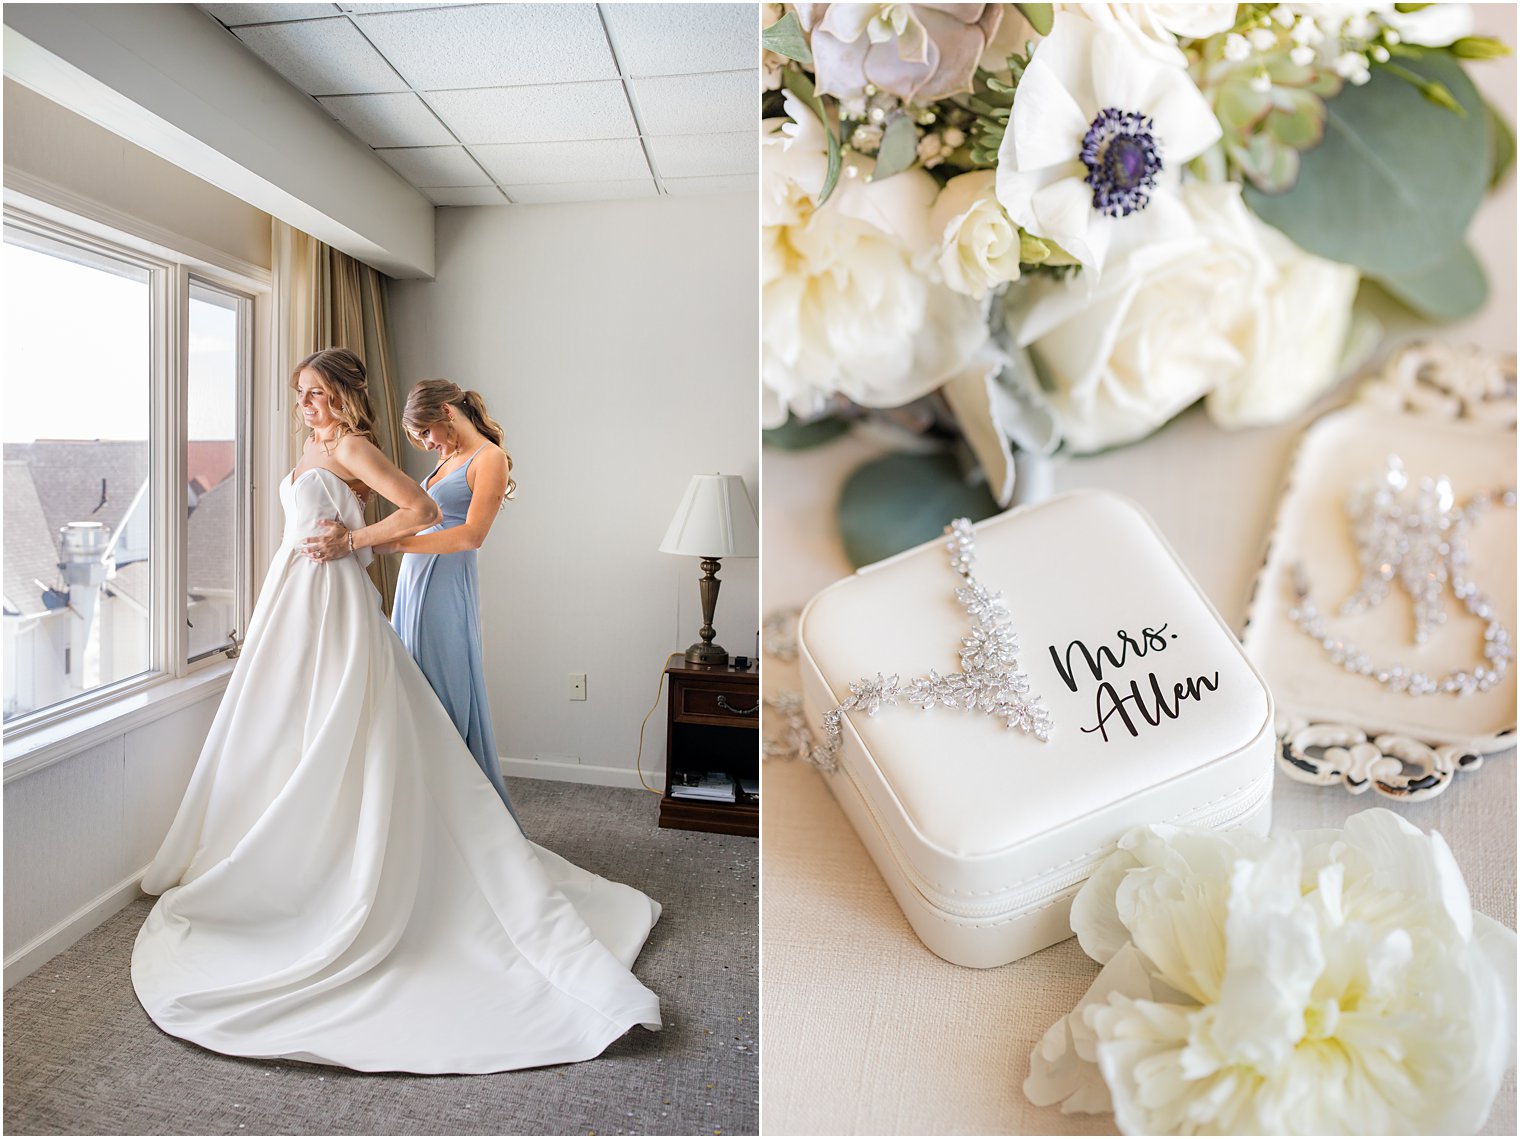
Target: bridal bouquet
pixel 1024 226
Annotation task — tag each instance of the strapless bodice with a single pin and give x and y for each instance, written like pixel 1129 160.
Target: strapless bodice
pixel 318 493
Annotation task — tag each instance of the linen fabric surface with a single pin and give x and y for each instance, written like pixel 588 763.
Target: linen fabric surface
pixel 341 884
pixel 437 616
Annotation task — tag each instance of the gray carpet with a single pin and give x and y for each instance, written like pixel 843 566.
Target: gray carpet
pixel 81 1056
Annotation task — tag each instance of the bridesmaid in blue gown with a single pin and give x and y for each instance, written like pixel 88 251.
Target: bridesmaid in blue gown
pixel 437 607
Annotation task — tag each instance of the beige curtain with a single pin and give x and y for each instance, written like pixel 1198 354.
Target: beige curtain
pixel 326 299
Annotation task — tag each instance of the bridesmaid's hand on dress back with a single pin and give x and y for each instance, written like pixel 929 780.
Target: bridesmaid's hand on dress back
pixel 488 477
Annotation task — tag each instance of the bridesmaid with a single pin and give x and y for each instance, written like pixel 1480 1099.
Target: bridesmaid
pixel 437 608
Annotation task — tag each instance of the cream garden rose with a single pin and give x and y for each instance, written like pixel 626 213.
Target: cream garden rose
pixel 1155 28
pixel 1323 982
pixel 1291 335
pixel 850 302
pixel 979 243
pixel 1234 312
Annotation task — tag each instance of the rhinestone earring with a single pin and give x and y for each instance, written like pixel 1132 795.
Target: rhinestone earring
pixel 990 680
pixel 1416 536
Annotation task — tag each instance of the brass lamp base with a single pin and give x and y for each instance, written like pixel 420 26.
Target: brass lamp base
pixel 705 653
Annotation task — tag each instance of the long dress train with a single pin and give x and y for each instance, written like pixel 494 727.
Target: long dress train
pixel 437 617
pixel 341 885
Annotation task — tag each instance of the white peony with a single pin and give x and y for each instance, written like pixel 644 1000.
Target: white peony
pixel 849 302
pixel 1233 311
pixel 979 244
pixel 1323 982
pixel 1096 141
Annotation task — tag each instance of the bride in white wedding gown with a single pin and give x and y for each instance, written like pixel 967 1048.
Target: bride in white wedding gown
pixel 342 884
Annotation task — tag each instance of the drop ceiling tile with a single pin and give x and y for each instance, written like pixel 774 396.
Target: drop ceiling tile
pixel 552 113
pixel 235 14
pixel 536 162
pixel 692 156
pixel 713 184
pixel 322 57
pixel 677 39
pixel 545 192
pixel 398 7
pixel 464 195
pixel 493 45
pixel 436 166
pixel 697 104
pixel 388 120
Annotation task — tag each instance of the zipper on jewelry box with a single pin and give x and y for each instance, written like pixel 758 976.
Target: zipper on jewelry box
pixel 1220 815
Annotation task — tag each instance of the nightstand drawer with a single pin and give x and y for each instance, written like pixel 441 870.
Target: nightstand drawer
pixel 738 705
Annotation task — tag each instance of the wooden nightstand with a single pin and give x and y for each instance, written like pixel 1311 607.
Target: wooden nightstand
pixel 712 725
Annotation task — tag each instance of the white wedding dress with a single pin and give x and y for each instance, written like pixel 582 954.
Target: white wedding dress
pixel 342 885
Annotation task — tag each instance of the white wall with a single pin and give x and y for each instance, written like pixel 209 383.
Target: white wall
pixel 79 831
pixel 617 344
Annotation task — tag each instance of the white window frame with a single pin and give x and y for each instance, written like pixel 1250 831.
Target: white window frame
pixel 172 679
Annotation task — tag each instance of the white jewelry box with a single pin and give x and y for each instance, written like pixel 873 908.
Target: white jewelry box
pixel 982 832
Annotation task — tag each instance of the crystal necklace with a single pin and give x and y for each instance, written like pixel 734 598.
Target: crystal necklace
pixel 990 680
pixel 1418 537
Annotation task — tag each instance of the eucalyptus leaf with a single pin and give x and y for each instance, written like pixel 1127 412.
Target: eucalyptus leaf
pixel 786 37
pixel 1397 179
pixel 796 435
pixel 1454 288
pixel 1502 149
pixel 1042 17
pixel 894 503
pixel 899 147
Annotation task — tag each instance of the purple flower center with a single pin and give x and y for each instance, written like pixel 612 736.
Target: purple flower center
pixel 1122 160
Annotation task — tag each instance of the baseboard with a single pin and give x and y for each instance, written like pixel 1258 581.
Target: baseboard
pixel 579 773
pixel 40 950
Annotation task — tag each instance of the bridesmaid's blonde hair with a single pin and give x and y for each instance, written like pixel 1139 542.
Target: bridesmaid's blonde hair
pixel 341 374
pixel 424 409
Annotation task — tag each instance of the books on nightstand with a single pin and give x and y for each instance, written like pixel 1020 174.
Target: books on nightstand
pixel 714 787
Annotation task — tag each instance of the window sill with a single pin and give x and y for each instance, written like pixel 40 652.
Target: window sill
pixel 48 745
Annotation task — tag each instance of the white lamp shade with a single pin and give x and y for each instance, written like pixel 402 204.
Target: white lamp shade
pixel 715 520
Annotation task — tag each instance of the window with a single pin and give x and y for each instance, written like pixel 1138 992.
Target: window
pixel 125 386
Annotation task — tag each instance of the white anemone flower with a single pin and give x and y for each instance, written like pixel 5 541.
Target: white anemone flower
pixel 850 302
pixel 1324 982
pixel 1096 142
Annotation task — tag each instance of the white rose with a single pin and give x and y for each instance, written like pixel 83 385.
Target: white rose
pixel 849 303
pixel 1323 982
pixel 1218 312
pixel 979 244
pixel 1155 28
pixel 1291 336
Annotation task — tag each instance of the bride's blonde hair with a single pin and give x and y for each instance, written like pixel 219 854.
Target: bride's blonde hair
pixel 424 409
pixel 341 374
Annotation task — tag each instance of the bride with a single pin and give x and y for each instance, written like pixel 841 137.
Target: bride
pixel 341 884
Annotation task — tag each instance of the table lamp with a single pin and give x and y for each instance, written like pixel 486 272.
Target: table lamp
pixel 715 520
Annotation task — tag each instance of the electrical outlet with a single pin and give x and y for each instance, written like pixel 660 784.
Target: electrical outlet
pixel 577 686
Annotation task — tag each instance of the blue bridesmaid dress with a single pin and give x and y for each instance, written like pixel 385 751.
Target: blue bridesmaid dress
pixel 437 615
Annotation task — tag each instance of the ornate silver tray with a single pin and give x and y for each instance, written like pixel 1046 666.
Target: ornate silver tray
pixel 1444 411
